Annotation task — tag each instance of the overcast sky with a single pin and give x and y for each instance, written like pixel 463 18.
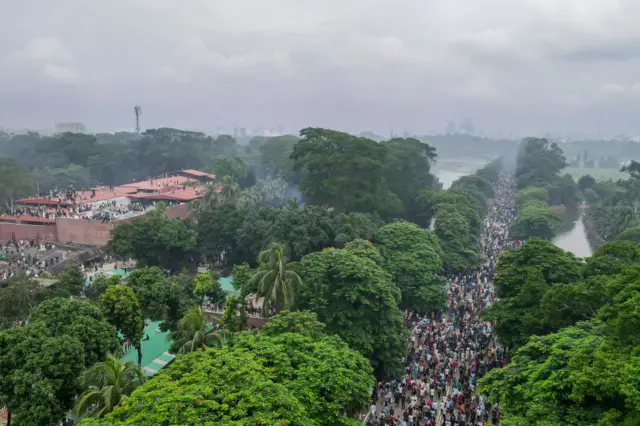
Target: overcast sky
pixel 511 65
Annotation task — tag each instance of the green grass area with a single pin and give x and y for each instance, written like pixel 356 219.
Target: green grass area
pixel 596 173
pixel 153 348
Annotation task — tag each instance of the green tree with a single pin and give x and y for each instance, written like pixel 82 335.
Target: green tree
pixel 412 256
pixel 577 376
pixel 474 182
pixel 276 157
pixel 535 219
pixel 302 230
pixel 38 374
pixel 491 171
pixel 71 279
pixel 586 182
pixel 18 298
pixel 226 386
pixel 217 232
pixel 99 285
pixel 406 170
pixel 351 226
pixel 358 301
pixel 524 276
pixel 242 274
pixel 156 241
pixel 457 228
pixel 344 172
pixel 152 290
pixel 302 322
pixel 235 317
pixel 195 332
pixel 16 182
pixel 531 193
pixel 107 384
pixel 564 191
pixel 207 285
pixel 122 309
pixel 630 234
pixel 366 249
pixel 539 163
pixel 326 375
pixel 82 321
pixel 278 280
pixel 612 258
pixel 235 167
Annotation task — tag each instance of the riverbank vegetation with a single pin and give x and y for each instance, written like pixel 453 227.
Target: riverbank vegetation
pixel 614 214
pixel 572 334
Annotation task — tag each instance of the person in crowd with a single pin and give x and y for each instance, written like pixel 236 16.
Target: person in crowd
pixel 450 350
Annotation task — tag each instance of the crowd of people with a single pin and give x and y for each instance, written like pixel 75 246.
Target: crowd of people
pixel 252 310
pixel 449 351
pixel 106 211
pixel 29 257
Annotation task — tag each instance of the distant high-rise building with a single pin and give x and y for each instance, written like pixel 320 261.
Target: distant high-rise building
pixel 70 127
pixel 451 128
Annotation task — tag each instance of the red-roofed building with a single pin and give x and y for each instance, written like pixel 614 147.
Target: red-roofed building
pixel 82 219
pixel 44 201
pixel 197 174
pixel 158 184
pixel 26 219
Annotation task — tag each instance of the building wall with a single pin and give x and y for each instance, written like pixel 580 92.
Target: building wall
pixel 26 232
pixel 79 231
pixel 178 212
pixel 83 231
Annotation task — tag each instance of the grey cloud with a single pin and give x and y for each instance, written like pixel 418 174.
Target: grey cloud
pixel 529 66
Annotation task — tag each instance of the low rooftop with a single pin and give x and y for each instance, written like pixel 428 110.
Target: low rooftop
pixel 198 174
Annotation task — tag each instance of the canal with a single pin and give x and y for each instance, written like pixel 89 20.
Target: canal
pixel 571 235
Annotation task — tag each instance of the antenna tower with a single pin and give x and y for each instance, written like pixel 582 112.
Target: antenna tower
pixel 138 112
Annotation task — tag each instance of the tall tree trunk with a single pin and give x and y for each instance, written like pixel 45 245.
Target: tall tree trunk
pixel 8 416
pixel 139 349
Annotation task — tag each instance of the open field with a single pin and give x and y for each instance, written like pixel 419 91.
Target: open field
pixel 598 174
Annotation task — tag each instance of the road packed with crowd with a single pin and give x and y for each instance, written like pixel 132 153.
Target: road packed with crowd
pixel 449 351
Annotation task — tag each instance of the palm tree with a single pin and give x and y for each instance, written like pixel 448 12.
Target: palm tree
pixel 195 331
pixel 230 189
pixel 108 383
pixel 276 279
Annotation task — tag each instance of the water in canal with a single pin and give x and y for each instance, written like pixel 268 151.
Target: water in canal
pixel 571 236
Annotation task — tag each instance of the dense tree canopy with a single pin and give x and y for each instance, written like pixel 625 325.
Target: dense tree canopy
pixel 412 256
pixel 344 172
pixel 39 373
pixel 578 376
pixel 122 309
pixel 539 162
pixel 16 182
pixel 535 219
pixel 290 373
pixel 157 241
pixel 82 321
pixel 231 235
pixel 524 277
pixel 358 301
pixel 224 386
pixel 406 171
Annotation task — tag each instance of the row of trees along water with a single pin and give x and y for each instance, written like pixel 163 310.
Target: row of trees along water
pixel 571 324
pixel 613 205
pixel 348 261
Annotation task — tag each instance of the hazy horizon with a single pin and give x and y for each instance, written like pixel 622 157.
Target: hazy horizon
pixel 525 67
